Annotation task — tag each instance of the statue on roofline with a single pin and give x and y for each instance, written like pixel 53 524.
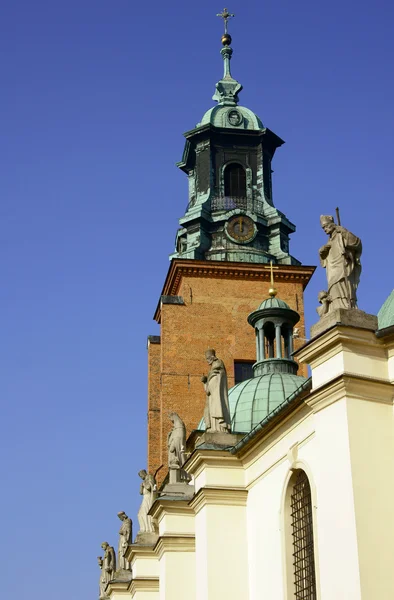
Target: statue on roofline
pixel 125 538
pixel 107 565
pixel 341 259
pixel 217 412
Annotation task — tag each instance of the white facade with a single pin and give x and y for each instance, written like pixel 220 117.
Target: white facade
pixel 233 539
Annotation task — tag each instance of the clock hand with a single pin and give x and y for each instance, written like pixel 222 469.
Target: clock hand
pixel 241 225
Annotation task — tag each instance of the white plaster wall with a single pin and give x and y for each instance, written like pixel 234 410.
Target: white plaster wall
pixel 177 576
pixel 324 455
pixel 176 524
pixel 328 370
pixel 212 476
pixel 145 567
pixel 221 553
pixel 391 368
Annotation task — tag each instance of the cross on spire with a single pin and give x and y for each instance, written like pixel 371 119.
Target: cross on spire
pixel 225 15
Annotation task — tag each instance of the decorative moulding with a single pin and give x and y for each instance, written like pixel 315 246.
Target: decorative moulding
pixel 176 543
pixel 222 496
pixel 144 584
pixel 352 386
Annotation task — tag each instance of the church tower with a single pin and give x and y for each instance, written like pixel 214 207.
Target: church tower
pixel 219 273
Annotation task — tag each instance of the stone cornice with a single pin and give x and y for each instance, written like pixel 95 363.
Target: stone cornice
pixel 173 507
pixel 349 385
pixel 200 459
pixel 175 543
pixel 116 587
pixel 222 496
pixel 336 339
pixel 144 584
pixel 135 551
pixel 229 270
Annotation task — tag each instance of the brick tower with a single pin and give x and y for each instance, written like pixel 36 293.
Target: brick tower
pixel 219 272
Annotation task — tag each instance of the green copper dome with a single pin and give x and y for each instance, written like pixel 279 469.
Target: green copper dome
pixel 238 117
pixel 386 313
pixel 273 303
pixel 252 400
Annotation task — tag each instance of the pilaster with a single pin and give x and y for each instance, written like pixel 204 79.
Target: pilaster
pixel 221 543
pixel 145 569
pixel 175 549
pixel 352 400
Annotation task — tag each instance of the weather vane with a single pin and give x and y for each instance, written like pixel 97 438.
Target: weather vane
pixel 225 15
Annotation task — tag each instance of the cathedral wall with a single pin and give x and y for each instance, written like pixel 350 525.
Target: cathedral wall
pixel 214 315
pixel 318 444
pixel 371 434
pixel 154 413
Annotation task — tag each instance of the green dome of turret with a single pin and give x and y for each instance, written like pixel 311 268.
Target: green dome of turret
pixel 273 303
pixel 275 371
pixel 238 117
pixel 252 400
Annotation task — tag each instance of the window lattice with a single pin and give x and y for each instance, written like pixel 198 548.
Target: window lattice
pixel 302 532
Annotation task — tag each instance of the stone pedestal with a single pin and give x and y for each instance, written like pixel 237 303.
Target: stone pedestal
pixel 146 538
pixel 351 318
pixel 118 590
pixel 211 440
pixel 176 487
pixel 175 548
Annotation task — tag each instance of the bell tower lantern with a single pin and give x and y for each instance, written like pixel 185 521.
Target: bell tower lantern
pixel 227 158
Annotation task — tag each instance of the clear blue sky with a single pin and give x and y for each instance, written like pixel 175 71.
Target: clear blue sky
pixel 95 96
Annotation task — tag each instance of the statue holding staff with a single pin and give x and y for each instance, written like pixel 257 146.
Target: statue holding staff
pixel 341 259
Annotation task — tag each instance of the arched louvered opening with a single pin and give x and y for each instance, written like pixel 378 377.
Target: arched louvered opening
pixel 235 181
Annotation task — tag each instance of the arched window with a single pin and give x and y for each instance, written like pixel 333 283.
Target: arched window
pixel 300 537
pixel 235 181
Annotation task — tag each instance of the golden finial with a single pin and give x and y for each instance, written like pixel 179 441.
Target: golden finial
pixel 272 291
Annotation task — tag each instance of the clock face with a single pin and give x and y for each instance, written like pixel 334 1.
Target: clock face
pixel 240 229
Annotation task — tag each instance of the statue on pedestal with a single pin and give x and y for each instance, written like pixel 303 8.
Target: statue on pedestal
pixel 107 565
pixel 176 441
pixel 341 259
pixel 125 538
pixel 217 412
pixel 148 492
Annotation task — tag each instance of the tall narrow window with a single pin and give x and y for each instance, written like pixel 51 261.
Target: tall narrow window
pixel 235 181
pixel 304 578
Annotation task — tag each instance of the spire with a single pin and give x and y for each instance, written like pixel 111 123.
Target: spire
pixel 272 291
pixel 227 88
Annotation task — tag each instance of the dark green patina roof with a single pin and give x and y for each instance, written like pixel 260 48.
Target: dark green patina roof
pixel 386 313
pixel 273 303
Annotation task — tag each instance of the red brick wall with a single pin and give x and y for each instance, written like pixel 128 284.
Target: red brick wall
pixel 214 315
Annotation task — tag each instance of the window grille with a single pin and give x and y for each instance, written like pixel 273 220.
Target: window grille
pixel 302 532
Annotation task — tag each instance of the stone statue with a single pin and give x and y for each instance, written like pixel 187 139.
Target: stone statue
pixel 217 412
pixel 148 493
pixel 102 583
pixel 176 441
pixel 341 259
pixel 107 566
pixel 324 300
pixel 125 538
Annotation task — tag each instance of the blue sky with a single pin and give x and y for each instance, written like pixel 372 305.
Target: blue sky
pixel 95 98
